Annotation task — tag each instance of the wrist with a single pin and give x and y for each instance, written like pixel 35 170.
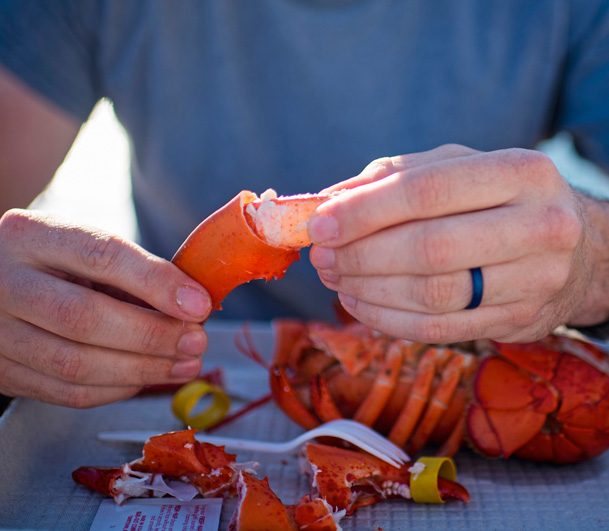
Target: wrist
pixel 590 307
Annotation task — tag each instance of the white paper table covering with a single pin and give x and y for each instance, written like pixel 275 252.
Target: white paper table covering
pixel 41 444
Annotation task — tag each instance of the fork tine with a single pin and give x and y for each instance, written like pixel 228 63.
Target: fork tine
pixel 357 441
pixel 369 437
pixel 381 441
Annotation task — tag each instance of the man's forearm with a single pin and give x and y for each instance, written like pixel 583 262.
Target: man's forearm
pixel 35 136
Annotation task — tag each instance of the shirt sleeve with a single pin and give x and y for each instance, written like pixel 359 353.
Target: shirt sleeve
pixel 51 46
pixel 583 108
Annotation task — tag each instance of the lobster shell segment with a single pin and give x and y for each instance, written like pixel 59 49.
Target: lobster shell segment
pixel 248 238
pixel 259 509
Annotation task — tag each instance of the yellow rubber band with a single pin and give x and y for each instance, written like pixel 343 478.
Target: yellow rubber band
pixel 424 484
pixel 187 397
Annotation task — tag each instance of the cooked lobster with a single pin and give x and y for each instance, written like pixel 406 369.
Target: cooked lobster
pixel 544 401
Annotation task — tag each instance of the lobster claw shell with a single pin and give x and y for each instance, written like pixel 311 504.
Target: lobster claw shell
pixel 232 247
pixel 349 479
pixel 172 463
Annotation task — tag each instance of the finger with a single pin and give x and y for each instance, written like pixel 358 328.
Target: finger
pixel 385 166
pixel 19 380
pixel 108 259
pixel 450 292
pixel 444 188
pixel 87 316
pixel 456 243
pixel 515 322
pixel 82 364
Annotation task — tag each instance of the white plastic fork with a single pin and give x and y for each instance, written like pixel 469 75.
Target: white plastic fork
pixel 349 430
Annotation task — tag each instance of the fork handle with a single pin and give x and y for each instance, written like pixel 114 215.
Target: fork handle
pixel 141 436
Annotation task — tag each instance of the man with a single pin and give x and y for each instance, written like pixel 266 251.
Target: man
pixel 452 234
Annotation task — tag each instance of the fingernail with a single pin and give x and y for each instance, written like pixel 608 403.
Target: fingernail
pixel 323 228
pixel 193 343
pixel 186 368
pixel 192 301
pixel 322 257
pixel 347 301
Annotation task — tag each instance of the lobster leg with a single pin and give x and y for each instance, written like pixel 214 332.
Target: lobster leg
pixel 287 333
pixel 288 401
pixel 451 376
pixel 419 395
pixel 383 385
pixel 454 441
pixel 322 400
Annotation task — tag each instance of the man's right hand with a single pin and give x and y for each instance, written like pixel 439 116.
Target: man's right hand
pixel 88 318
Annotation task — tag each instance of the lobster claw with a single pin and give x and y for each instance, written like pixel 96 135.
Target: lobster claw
pixel 173 463
pixel 349 479
pixel 248 238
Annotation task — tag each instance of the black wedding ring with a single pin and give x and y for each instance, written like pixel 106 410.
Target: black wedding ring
pixel 478 288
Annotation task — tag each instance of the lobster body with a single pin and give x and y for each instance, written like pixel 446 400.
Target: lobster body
pixel 545 401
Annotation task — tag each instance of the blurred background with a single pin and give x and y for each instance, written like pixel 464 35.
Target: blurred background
pixel 92 185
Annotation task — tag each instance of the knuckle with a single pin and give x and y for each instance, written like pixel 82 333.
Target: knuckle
pixel 352 256
pixel 530 163
pixel 432 330
pixel 76 315
pixel 12 219
pixel 78 397
pixel 15 223
pixel 437 292
pixel 380 164
pixel 455 150
pixel 150 371
pixel 437 249
pixel 526 316
pixel 540 162
pixel 563 225
pixel 557 227
pixel 379 168
pixel 151 336
pixel 101 252
pixel 151 278
pixel 424 191
pixel 69 364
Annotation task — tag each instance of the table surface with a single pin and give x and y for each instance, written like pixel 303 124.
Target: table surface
pixel 41 444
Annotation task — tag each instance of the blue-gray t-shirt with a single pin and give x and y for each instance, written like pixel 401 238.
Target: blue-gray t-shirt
pixel 223 95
